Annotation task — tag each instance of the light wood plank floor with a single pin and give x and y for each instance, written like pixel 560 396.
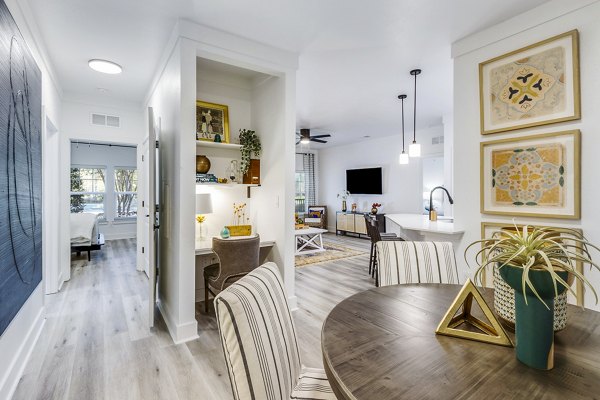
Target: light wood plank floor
pixel 96 344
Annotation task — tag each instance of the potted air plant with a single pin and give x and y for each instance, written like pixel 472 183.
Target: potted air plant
pixel 539 264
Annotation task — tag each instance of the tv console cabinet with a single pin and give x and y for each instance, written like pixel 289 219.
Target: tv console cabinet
pixel 354 222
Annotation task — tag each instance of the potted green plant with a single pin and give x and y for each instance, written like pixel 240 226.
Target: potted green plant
pixel 250 167
pixel 539 264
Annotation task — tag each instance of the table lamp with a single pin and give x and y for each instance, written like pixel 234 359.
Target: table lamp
pixel 203 206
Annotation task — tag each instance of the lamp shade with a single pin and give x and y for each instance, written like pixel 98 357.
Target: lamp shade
pixel 203 203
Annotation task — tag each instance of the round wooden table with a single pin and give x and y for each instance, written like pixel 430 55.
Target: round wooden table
pixel 381 344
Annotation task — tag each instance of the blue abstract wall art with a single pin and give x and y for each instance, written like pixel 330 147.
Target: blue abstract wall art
pixel 20 170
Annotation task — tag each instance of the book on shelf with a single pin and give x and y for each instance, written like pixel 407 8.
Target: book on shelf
pixel 206 178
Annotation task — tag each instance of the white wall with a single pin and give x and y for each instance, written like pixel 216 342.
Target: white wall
pixel 402 184
pixel 97 155
pixel 545 21
pixel 18 339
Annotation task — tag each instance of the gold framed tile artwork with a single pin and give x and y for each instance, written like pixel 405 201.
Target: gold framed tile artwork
pixel 532 86
pixel 534 176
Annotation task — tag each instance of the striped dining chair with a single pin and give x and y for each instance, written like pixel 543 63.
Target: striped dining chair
pixel 416 262
pixel 259 341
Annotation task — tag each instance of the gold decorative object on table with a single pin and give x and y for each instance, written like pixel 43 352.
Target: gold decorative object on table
pixel 459 313
pixel 531 86
pixel 535 176
pixel 238 228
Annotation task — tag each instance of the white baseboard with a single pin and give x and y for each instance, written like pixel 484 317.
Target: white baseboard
pixel 180 333
pixel 11 380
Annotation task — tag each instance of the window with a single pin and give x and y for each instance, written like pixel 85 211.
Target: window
pixel 88 190
pixel 300 198
pixel 125 192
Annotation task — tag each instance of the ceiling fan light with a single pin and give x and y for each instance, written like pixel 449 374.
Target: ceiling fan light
pixel 403 160
pixel 104 66
pixel 414 150
pixel 305 140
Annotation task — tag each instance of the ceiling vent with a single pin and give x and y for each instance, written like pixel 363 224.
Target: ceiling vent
pixel 437 140
pixel 106 120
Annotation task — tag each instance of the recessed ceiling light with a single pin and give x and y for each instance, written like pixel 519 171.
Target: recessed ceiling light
pixel 367 136
pixel 104 66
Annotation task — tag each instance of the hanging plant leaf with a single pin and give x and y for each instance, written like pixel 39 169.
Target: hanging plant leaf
pixel 531 203
pixel 561 170
pixel 561 181
pixel 518 203
pixel 250 144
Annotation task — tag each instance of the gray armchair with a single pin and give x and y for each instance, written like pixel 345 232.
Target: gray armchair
pixel 237 257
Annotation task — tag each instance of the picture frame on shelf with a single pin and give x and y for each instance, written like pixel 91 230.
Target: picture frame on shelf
pixel 532 86
pixel 212 122
pixel 488 229
pixel 533 176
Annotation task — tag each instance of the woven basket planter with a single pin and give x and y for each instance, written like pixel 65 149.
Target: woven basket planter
pixel 504 304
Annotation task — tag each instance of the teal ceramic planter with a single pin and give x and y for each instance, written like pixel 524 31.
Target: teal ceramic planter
pixel 534 322
pixel 225 233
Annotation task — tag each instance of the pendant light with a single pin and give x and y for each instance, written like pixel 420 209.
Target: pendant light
pixel 414 150
pixel 403 156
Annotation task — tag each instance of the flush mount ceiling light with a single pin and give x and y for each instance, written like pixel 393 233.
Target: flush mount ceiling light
pixel 104 66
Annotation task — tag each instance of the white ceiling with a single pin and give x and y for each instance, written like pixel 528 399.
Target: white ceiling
pixel 355 55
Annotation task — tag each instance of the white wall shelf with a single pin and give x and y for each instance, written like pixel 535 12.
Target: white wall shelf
pixel 216 145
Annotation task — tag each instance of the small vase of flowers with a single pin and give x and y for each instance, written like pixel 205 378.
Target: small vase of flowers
pixel 344 194
pixel 375 208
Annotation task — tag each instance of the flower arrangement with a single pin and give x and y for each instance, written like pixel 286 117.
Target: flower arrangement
pixel 376 205
pixel 250 144
pixel 239 214
pixel 200 218
pixel 344 194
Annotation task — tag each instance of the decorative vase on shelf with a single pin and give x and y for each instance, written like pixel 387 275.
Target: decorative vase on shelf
pixel 374 210
pixel 225 233
pixel 202 164
pixel 344 207
pixel 217 138
pixel 534 320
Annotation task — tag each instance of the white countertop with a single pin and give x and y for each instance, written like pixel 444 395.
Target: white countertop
pixel 205 246
pixel 421 223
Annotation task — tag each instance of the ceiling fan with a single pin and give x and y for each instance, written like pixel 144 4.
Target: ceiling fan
pixel 305 137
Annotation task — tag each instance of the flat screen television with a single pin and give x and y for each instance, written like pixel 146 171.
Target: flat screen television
pixel 364 181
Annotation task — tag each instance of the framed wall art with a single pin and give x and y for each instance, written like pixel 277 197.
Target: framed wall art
pixel 535 176
pixel 535 85
pixel 489 228
pixel 20 171
pixel 212 122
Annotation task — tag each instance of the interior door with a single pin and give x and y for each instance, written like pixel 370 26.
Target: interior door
pixel 151 224
pixel 145 208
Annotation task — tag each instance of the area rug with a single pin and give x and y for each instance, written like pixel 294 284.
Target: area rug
pixel 333 252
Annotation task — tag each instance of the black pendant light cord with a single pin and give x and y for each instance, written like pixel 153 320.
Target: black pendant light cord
pixel 414 73
pixel 402 97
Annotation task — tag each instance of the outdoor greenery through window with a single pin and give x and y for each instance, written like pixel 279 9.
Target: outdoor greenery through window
pixel 88 190
pixel 126 192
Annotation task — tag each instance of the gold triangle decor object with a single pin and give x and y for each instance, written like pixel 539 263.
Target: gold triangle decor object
pixel 459 313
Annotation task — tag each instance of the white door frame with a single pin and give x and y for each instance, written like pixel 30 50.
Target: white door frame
pixel 65 199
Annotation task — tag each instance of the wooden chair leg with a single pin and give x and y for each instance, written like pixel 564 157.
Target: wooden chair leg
pixel 371 259
pixel 205 295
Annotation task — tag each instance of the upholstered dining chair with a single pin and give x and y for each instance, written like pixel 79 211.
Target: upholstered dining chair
pixel 376 236
pixel 416 262
pixel 259 341
pixel 236 257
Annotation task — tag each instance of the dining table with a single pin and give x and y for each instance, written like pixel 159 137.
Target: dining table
pixel 381 344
